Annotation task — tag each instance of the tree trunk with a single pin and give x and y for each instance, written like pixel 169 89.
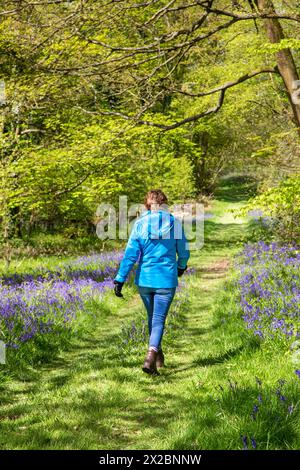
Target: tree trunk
pixel 199 163
pixel 285 61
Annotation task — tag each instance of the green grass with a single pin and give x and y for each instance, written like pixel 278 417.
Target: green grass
pixel 26 262
pixel 95 396
pixel 49 250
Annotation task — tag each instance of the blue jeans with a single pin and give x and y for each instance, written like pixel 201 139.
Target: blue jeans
pixel 157 303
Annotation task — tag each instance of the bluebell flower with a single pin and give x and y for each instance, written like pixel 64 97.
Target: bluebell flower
pixel 253 443
pixel 245 442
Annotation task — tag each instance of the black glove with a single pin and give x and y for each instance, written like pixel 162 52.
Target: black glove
pixel 118 288
pixel 181 271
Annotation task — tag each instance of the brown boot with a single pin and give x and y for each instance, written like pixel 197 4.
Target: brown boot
pixel 150 363
pixel 160 358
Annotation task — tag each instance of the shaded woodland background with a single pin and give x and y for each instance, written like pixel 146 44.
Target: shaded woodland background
pixel 103 98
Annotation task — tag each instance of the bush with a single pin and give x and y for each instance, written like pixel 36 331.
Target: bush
pixel 282 204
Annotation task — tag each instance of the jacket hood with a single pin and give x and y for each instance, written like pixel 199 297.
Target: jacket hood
pixel 157 224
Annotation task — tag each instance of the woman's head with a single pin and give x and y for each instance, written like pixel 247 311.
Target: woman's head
pixel 154 199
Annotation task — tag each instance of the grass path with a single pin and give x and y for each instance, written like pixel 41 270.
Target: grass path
pixel 89 398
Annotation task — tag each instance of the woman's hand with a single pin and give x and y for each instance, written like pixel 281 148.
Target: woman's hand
pixel 118 288
pixel 181 271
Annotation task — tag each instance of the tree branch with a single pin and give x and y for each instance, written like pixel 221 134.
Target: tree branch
pixel 166 127
pixel 253 16
pixel 230 84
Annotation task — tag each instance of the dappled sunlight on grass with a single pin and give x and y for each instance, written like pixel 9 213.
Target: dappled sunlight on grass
pixel 93 395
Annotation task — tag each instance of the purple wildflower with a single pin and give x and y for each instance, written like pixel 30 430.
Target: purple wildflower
pixel 245 442
pixel 254 412
pixel 269 288
pixel 260 398
pixel 32 305
pixel 253 443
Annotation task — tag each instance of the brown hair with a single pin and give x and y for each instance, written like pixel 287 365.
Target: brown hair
pixel 155 196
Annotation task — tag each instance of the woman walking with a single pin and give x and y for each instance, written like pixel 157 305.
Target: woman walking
pixel 158 243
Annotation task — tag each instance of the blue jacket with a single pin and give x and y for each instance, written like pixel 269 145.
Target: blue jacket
pixel 156 238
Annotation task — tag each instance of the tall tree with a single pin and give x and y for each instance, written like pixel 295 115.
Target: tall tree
pixel 285 60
